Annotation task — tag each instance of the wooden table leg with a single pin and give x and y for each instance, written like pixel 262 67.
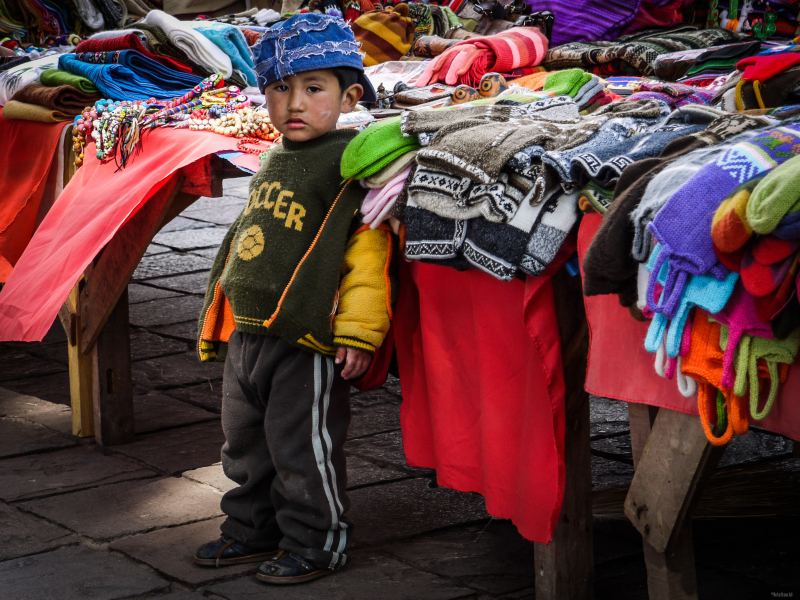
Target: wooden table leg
pixel 565 567
pixel 80 367
pixel 673 461
pixel 112 384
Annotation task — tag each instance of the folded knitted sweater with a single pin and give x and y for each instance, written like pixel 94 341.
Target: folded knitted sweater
pixel 480 153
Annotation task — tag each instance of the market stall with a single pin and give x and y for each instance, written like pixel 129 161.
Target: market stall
pixel 657 138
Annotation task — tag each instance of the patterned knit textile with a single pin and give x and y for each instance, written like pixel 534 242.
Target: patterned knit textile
pixel 129 42
pixel 636 52
pixel 468 61
pixel 459 198
pixel 480 153
pixel 422 17
pixel 384 35
pixel 674 94
pixel 684 224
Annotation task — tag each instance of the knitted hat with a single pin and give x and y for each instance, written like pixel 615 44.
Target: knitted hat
pixel 729 227
pixel 754 349
pixel 566 83
pixel 777 195
pixel 741 318
pixel 374 148
pixel 384 34
pixel 307 42
pixel 703 363
pixel 768 307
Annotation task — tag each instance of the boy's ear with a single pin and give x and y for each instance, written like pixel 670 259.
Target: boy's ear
pixel 351 96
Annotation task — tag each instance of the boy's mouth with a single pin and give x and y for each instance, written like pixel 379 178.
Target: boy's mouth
pixel 295 123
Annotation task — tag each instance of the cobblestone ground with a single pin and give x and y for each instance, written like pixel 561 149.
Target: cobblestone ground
pixel 82 521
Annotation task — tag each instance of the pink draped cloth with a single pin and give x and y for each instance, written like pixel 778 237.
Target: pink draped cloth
pixel 91 209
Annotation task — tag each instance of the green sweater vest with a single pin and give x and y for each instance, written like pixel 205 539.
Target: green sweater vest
pixel 285 251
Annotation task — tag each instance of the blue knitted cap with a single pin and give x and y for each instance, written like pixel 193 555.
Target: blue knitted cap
pixel 307 42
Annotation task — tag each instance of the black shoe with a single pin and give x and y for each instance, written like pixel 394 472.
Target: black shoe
pixel 227 551
pixel 288 568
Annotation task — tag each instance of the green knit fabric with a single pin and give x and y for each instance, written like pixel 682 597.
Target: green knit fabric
pixel 55 78
pixel 376 147
pixel 777 195
pixel 566 83
pixel 288 203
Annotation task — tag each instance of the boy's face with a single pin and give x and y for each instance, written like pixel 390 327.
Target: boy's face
pixel 307 105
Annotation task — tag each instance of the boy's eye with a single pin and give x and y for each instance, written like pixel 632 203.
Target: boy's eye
pixel 314 89
pixel 280 88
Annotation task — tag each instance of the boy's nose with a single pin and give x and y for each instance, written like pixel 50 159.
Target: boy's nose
pixel 296 100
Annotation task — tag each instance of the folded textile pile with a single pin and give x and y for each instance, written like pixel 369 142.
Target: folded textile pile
pixel 672 94
pixel 55 78
pixel 16 78
pixel 193 43
pixel 128 75
pixel 124 40
pixel 375 148
pixel 767 80
pixel 233 43
pixel 496 186
pixel 719 61
pixel 32 112
pixel 584 88
pixel 468 61
pixel 634 54
pixel 63 99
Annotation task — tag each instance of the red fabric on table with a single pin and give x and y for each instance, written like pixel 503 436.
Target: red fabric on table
pixel 483 389
pixel 130 42
pixel 620 368
pixel 91 209
pixel 29 148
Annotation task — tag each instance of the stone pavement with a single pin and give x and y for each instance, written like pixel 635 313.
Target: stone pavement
pixel 82 521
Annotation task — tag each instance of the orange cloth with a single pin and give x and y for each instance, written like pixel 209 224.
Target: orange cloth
pixel 703 363
pixel 29 148
pixel 534 81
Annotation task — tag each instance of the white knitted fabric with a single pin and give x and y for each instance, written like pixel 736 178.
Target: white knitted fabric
pixel 198 47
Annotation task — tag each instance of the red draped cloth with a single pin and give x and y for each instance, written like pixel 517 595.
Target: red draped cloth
pixel 28 151
pixel 92 208
pixel 483 389
pixel 620 367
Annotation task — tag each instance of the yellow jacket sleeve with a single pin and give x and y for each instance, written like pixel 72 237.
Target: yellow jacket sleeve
pixel 365 292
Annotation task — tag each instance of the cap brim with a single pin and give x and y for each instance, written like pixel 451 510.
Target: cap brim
pixel 369 91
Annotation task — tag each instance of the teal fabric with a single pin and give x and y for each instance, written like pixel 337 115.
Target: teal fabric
pixel 233 43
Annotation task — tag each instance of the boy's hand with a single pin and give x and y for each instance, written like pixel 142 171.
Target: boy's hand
pixel 357 361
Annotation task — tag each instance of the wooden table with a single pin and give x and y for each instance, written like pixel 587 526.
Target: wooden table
pixel 96 320
pixel 672 457
pixel 95 316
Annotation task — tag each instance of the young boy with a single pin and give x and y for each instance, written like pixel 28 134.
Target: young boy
pixel 301 293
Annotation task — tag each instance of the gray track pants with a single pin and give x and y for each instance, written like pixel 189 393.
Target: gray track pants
pixel 285 414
